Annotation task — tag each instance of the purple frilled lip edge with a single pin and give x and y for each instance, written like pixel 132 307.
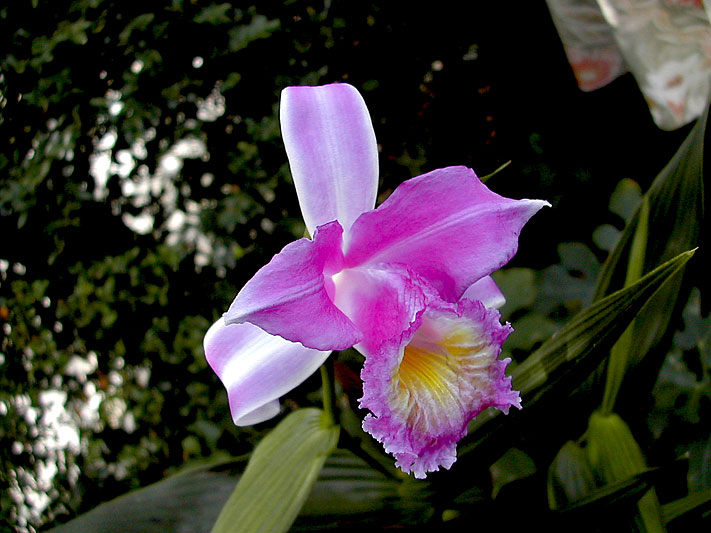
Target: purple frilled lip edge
pixel 407 284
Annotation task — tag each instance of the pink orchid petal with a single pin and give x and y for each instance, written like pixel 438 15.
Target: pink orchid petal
pixel 332 151
pixel 289 296
pixel 383 303
pixel 257 368
pixel 424 392
pixel 446 226
pixel 487 292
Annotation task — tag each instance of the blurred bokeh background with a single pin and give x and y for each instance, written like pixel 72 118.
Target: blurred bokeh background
pixel 143 181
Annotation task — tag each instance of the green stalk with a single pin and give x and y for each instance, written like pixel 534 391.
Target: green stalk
pixel 328 391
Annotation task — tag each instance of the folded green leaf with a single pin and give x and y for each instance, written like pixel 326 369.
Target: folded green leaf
pixel 280 475
pixel 620 494
pixel 615 456
pixel 570 477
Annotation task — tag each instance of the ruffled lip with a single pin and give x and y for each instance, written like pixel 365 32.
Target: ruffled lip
pixel 421 408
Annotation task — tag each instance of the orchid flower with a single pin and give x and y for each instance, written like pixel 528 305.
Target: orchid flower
pixel 406 284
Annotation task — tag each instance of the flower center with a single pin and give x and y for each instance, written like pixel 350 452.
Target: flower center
pixel 437 370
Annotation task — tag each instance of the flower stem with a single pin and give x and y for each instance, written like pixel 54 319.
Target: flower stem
pixel 327 390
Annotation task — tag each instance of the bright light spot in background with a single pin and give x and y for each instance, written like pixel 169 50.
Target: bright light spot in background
pixel 141 224
pixel 113 99
pixel 190 148
pixel 138 149
pixel 197 62
pixel 107 142
pixel 99 165
pixel 125 165
pixel 212 107
pixel 57 435
pixel 141 188
pixel 81 368
pixel 137 66
pixel 55 420
pixel 170 164
pixel 115 108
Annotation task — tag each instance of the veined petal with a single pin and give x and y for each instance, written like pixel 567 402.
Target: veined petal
pixel 383 303
pixel 446 226
pixel 487 292
pixel 289 296
pixel 257 368
pixel 332 152
pixel 423 394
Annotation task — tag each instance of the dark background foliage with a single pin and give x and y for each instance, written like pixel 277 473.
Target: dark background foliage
pixel 103 383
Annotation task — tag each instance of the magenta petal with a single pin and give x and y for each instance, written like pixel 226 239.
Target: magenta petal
pixel 423 393
pixel 289 296
pixel 333 155
pixel 487 292
pixel 383 303
pixel 257 368
pixel 446 226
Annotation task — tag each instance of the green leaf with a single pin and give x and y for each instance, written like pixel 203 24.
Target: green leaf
pixel 583 339
pixel 214 14
pixel 519 286
pixel 349 491
pixel 626 198
pixel 616 456
pixel 676 215
pixel 696 501
pixel 260 27
pixel 347 488
pixel 561 364
pixel 570 477
pixel 512 466
pixel 622 492
pixel 617 364
pixel 280 474
pixel 189 501
pixel 192 500
pixel 140 23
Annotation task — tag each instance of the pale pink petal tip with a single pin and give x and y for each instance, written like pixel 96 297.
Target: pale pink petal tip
pixel 257 368
pixel 424 392
pixel 487 292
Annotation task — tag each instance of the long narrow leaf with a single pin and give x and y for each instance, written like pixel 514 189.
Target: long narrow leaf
pixel 620 351
pixel 280 475
pixel 676 209
pixel 549 367
pixel 676 215
pixel 551 373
